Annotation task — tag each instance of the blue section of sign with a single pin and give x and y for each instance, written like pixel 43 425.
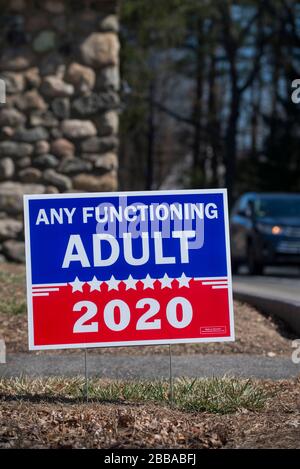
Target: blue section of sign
pixel 48 242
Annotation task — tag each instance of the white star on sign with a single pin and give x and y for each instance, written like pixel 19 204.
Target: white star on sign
pixel 148 282
pixel 112 283
pixel 184 281
pixel 76 285
pixel 130 283
pixel 166 282
pixel 94 284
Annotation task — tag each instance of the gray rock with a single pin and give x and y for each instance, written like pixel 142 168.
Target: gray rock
pixel 61 108
pixel 60 181
pixel 44 41
pixel 10 228
pixel 83 78
pixel 100 50
pixel 30 175
pixel 77 129
pixel 95 103
pixel 56 132
pixel 92 157
pixel 106 162
pixel 74 166
pixel 41 147
pixel 52 190
pixel 7 168
pixel 55 7
pixel 109 23
pixel 107 123
pixel 11 195
pixel 6 132
pixel 33 77
pixel 99 144
pixel 14 82
pixel 54 87
pixel 11 117
pixel 62 148
pixel 17 5
pixel 108 78
pixel 86 105
pixel 31 135
pixel 16 58
pixel 102 163
pixel 36 23
pixel 14 250
pixel 52 64
pixel 60 23
pixel 31 100
pixel 23 162
pixel 86 20
pixel 15 150
pixel 91 183
pixel 46 161
pixel 44 119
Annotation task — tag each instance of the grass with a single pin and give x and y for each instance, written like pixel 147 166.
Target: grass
pixel 11 278
pixel 13 306
pixel 12 293
pixel 215 395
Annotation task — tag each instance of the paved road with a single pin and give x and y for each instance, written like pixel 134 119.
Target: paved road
pixel 277 293
pixel 281 284
pixel 126 367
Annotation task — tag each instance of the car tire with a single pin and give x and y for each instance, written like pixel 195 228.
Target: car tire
pixel 254 266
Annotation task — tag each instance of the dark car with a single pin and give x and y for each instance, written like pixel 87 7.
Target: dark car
pixel 265 230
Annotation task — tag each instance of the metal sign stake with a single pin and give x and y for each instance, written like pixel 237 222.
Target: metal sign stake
pixel 171 394
pixel 86 376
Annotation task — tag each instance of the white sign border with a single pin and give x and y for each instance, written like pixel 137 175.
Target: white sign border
pixel 31 344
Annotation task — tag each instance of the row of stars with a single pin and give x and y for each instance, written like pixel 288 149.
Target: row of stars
pixel 113 283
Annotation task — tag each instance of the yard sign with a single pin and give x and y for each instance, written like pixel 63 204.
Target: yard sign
pixel 136 268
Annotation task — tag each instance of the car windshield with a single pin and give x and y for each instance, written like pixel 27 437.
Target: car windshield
pixel 278 207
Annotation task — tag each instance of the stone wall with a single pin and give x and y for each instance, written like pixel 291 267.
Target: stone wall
pixel 58 128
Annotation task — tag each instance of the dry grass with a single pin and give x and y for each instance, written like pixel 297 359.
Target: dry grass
pixel 12 291
pixel 52 414
pixel 216 395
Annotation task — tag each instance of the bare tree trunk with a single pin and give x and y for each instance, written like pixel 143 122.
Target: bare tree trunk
pixel 213 125
pixel 198 163
pixel 256 100
pixel 151 139
pixel 232 43
pixel 231 141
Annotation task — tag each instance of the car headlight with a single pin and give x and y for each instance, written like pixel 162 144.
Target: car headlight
pixel 269 229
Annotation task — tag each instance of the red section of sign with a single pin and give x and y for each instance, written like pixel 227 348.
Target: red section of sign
pixel 202 312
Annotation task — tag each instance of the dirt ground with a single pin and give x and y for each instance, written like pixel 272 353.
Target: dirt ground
pixel 255 333
pixel 34 423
